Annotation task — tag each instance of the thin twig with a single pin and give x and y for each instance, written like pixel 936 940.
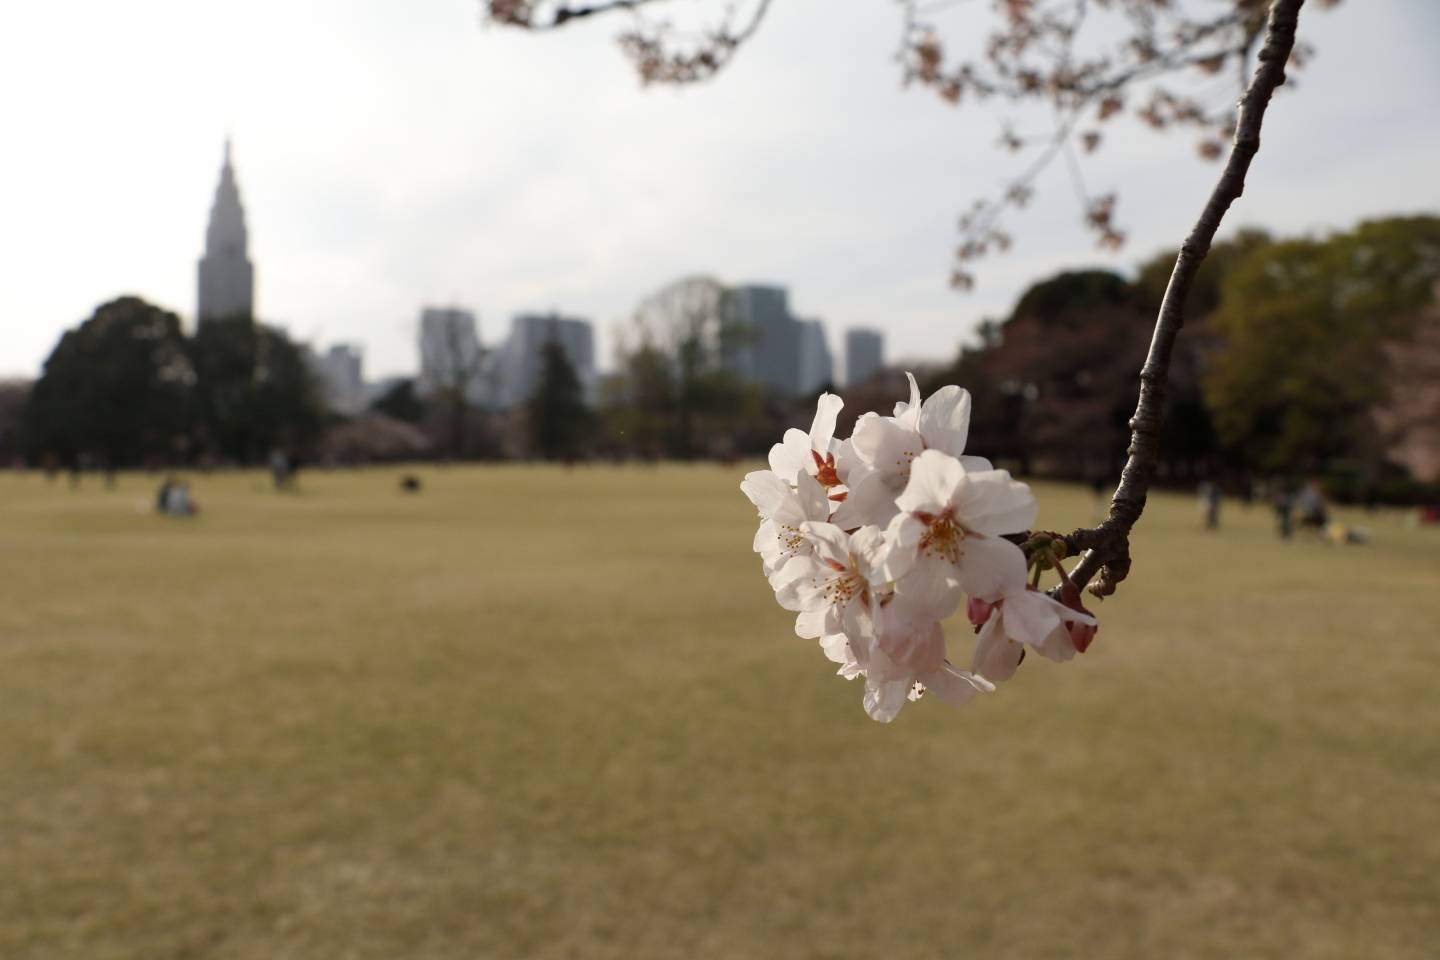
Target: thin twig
pixel 1108 545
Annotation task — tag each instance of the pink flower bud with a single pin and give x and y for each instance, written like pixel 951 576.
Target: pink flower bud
pixel 1081 634
pixel 979 610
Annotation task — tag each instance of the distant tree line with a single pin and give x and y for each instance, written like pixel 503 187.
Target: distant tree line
pixel 1307 356
pixel 1304 357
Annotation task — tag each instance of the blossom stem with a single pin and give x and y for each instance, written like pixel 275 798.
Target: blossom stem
pixel 1060 570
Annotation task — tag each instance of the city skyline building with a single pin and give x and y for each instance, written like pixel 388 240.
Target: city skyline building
pixel 518 363
pixel 765 348
pixel 816 365
pixel 864 354
pixel 225 275
pixel 451 357
pixel 340 372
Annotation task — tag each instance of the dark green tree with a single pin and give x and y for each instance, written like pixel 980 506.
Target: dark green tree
pixel 117 388
pixel 637 404
pixel 13 397
pixel 254 392
pixel 401 403
pixel 560 422
pixel 1303 327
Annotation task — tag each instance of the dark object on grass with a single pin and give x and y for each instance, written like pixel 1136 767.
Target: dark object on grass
pixel 1314 512
pixel 410 483
pixel 173 499
pixel 1284 510
pixel 1209 492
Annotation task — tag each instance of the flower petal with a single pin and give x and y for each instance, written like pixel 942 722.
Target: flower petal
pixel 855 621
pixel 944 420
pixel 991 568
pixel 996 656
pixel 955 686
pixel 765 489
pixel 1030 617
pixel 908 414
pixel 810 624
pixel 764 535
pixel 903 535
pixel 883 700
pixel 839 649
pixel 822 429
pixel 792 455
pixel 905 647
pixel 934 479
pixel 794 583
pixel 990 502
pixel 831 543
pixel 870 549
pixel 812 499
pixel 847 461
pixel 929 591
pixel 886 444
pixel 870 502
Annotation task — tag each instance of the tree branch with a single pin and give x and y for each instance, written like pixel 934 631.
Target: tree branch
pixel 1108 545
pixel 530 15
pixel 658 60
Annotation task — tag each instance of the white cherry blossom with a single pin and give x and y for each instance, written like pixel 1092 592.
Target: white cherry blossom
pixel 874 540
pixel 852 656
pixel 783 508
pixel 813 453
pixel 830 587
pixel 884 448
pixel 1027 618
pixel 947 535
pixel 907 660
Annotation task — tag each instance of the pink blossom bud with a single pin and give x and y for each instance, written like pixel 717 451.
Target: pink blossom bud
pixel 979 610
pixel 1081 634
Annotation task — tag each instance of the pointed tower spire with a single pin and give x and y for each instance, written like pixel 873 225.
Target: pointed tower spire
pixel 226 275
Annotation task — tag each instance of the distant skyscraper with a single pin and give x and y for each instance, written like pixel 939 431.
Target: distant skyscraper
pixel 817 369
pixel 450 354
pixel 227 278
pixel 518 368
pixel 766 346
pixel 864 354
pixel 339 371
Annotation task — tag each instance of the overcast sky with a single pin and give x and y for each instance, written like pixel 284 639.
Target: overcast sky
pixel 393 154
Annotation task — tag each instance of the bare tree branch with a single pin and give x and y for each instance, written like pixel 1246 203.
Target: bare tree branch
pixel 1048 51
pixel 658 60
pixel 1066 54
pixel 1108 545
pixel 539 15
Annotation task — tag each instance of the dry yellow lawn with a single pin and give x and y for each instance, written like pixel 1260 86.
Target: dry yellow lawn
pixel 536 713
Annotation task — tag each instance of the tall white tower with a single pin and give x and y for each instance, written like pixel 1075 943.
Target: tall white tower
pixel 227 278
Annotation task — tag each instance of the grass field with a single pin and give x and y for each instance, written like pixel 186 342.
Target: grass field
pixel 533 713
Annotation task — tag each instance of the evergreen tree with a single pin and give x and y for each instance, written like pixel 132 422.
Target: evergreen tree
pixel 401 403
pixel 253 390
pixel 117 388
pixel 560 422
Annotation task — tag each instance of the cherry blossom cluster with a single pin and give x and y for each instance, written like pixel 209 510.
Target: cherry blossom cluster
pixel 874 541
